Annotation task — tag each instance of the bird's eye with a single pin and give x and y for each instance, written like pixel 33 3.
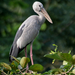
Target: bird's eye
pixel 39 5
pixel 39 8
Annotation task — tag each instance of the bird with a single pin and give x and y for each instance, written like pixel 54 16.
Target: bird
pixel 28 31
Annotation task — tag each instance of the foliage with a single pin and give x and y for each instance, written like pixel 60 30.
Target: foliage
pixel 19 65
pixel 68 62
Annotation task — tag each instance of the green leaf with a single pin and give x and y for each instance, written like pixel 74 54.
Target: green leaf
pixel 53 56
pixel 73 71
pixel 55 47
pixel 24 61
pixel 69 52
pixel 65 62
pixel 66 57
pixel 43 27
pixel 15 59
pixel 53 61
pixel 60 56
pixel 14 65
pixel 36 67
pixel 6 66
pixel 53 71
pixel 73 59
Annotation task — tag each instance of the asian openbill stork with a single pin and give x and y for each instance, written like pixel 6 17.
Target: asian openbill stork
pixel 28 31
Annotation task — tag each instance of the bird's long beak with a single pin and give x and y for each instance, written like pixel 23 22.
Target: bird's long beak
pixel 46 15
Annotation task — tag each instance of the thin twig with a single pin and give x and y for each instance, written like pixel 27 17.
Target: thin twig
pixel 23 69
pixel 68 70
pixel 21 72
pixel 3 72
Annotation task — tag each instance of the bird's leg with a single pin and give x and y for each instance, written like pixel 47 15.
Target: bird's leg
pixel 31 59
pixel 26 56
pixel 25 52
pixel 31 55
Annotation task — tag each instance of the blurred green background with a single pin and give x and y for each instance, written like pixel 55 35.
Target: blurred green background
pixel 61 32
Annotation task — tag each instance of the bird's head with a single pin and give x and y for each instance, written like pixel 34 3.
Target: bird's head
pixel 38 8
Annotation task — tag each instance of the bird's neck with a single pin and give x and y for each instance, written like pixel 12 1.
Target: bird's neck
pixel 41 19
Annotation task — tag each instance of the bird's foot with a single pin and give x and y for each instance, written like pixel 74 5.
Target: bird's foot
pixel 30 71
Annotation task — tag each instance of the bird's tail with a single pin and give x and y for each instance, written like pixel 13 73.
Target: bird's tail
pixel 13 52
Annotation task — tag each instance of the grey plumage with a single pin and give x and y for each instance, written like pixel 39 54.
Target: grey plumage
pixel 14 49
pixel 28 30
pixel 23 36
